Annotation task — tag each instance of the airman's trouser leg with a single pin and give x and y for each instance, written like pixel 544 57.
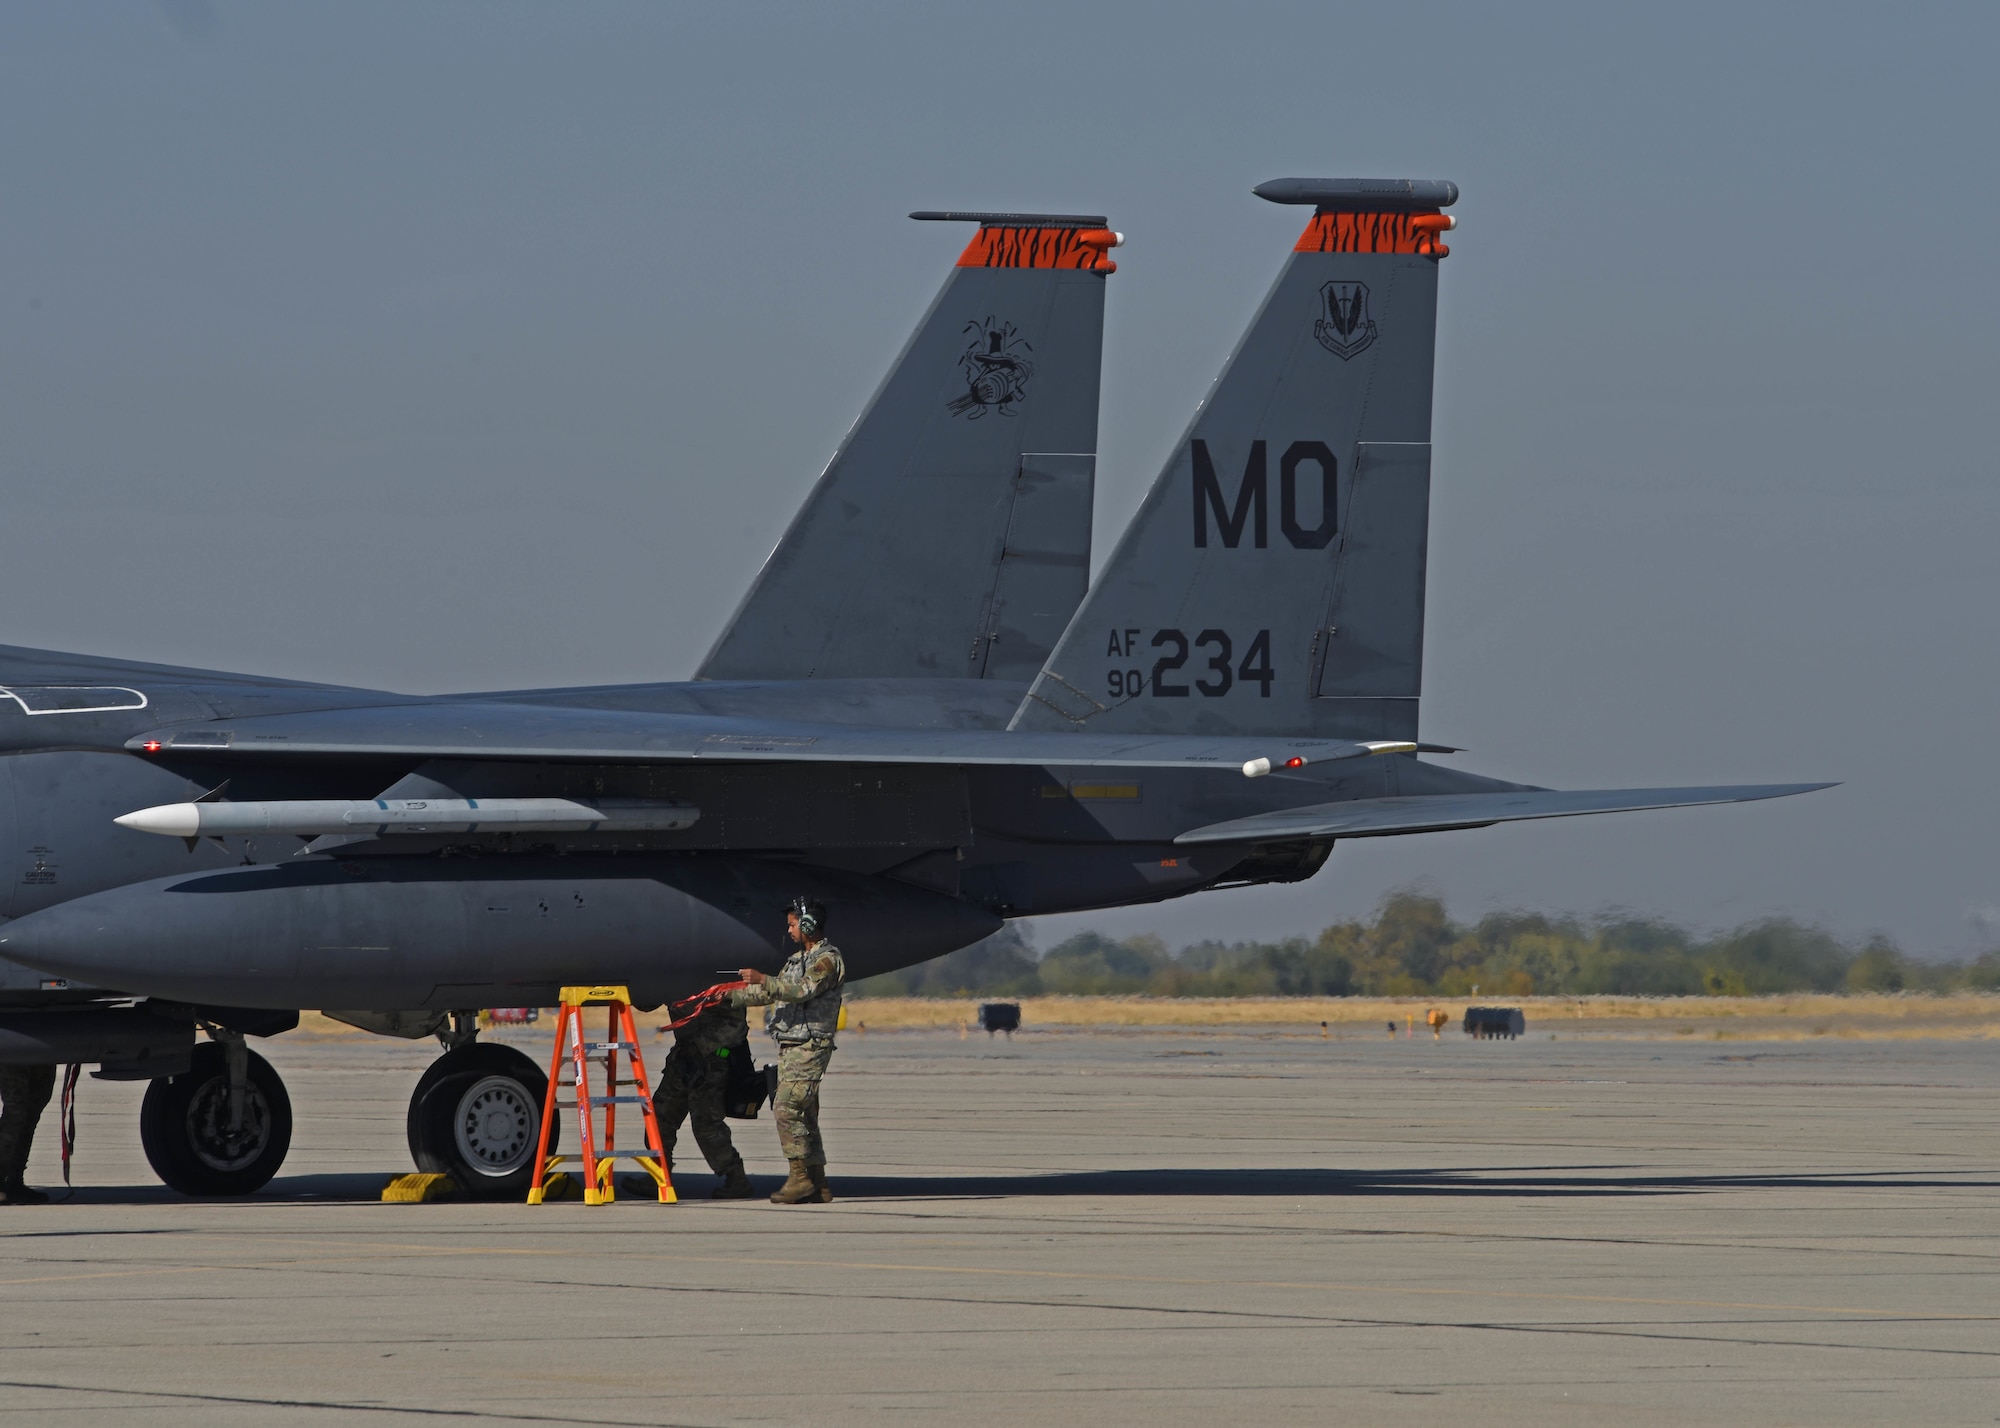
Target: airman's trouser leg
pixel 796 1106
pixel 670 1102
pixel 691 1087
pixel 24 1094
pixel 711 1133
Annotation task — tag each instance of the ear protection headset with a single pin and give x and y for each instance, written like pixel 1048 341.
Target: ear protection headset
pixel 811 915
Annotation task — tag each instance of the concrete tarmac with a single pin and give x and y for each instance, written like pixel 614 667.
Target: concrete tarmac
pixel 1157 1227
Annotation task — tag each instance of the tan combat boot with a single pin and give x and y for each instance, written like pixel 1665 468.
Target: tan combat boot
pixel 824 1190
pixel 797 1189
pixel 734 1186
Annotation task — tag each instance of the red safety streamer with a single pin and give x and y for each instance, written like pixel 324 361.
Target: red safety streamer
pixel 66 1116
pixel 700 1002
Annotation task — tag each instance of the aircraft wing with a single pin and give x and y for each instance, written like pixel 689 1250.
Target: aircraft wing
pixel 1374 817
pixel 471 730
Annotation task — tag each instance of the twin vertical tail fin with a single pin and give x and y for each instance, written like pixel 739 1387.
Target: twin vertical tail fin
pixel 950 535
pixel 1273 580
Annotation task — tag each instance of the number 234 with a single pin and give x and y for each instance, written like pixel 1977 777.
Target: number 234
pixel 1215 656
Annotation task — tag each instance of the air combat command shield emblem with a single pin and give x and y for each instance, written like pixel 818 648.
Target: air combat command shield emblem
pixel 1346 328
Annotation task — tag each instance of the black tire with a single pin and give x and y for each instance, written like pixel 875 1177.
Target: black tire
pixel 476 1116
pixel 184 1127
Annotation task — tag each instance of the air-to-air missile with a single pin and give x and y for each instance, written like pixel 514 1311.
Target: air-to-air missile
pixel 381 816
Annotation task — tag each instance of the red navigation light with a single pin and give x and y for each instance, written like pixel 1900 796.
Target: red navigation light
pixel 151 746
pixel 1295 762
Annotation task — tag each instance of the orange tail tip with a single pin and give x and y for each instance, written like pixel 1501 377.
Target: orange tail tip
pixel 1375 233
pixel 1033 240
pixel 1010 247
pixel 1429 226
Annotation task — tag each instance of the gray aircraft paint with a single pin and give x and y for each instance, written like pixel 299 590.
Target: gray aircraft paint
pixel 1238 566
pixel 463 729
pixel 385 934
pixel 902 801
pixel 949 536
pixel 1374 817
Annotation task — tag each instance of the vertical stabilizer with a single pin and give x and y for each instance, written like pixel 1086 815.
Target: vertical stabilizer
pixel 950 535
pixel 1273 580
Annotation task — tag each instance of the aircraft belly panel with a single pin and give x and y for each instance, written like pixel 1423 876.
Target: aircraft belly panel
pixel 404 933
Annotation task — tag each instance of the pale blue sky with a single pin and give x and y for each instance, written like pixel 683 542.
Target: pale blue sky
pixel 468 345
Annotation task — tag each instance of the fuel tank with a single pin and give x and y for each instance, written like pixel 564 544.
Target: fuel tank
pixel 386 934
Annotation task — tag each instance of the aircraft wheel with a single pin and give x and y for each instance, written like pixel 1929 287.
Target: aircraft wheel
pixel 476 1116
pixel 184 1126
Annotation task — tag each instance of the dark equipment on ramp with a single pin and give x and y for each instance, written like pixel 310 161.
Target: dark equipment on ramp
pixel 1000 1016
pixel 1486 1022
pixel 747 1088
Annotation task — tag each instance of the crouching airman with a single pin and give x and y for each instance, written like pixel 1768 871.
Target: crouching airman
pixel 694 1083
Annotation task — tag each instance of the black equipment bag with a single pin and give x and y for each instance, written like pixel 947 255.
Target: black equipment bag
pixel 745 1089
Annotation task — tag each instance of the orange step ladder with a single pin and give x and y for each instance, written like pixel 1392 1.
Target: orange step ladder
pixel 620 1037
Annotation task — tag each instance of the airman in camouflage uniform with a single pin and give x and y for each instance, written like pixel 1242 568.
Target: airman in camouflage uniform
pixel 24 1094
pixel 804 1009
pixel 694 1081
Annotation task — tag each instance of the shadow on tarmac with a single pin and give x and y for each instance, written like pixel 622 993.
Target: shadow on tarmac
pixel 1536 1182
pixel 1565 1181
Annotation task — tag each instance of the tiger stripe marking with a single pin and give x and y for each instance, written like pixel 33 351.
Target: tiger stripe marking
pixel 999 247
pixel 1364 233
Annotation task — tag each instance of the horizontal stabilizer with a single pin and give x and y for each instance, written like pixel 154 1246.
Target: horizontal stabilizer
pixel 471 730
pixel 1373 817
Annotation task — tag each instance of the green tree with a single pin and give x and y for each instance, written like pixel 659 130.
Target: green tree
pixel 1091 964
pixel 1879 968
pixel 1412 948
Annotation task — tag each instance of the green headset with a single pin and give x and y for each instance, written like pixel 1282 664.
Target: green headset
pixel 811 916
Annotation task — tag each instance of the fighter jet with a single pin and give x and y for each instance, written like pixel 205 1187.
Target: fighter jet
pixel 911 718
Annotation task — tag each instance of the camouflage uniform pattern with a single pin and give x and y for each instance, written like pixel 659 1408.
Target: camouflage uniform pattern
pixel 694 1082
pixel 796 1106
pixel 24 1094
pixel 804 1002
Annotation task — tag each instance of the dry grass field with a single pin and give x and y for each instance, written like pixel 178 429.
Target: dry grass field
pixel 1784 1018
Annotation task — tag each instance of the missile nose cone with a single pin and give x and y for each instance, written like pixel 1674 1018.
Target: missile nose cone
pixel 178 820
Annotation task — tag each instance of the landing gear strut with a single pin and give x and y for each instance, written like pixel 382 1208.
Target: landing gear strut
pixel 221 1127
pixel 476 1115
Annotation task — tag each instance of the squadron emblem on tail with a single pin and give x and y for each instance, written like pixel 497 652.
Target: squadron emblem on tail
pixel 996 366
pixel 1347 328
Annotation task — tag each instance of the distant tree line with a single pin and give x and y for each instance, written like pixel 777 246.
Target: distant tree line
pixel 1412 948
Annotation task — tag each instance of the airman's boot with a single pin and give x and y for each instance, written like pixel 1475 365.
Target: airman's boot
pixel 798 1188
pixel 13 1192
pixel 735 1185
pixel 824 1191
